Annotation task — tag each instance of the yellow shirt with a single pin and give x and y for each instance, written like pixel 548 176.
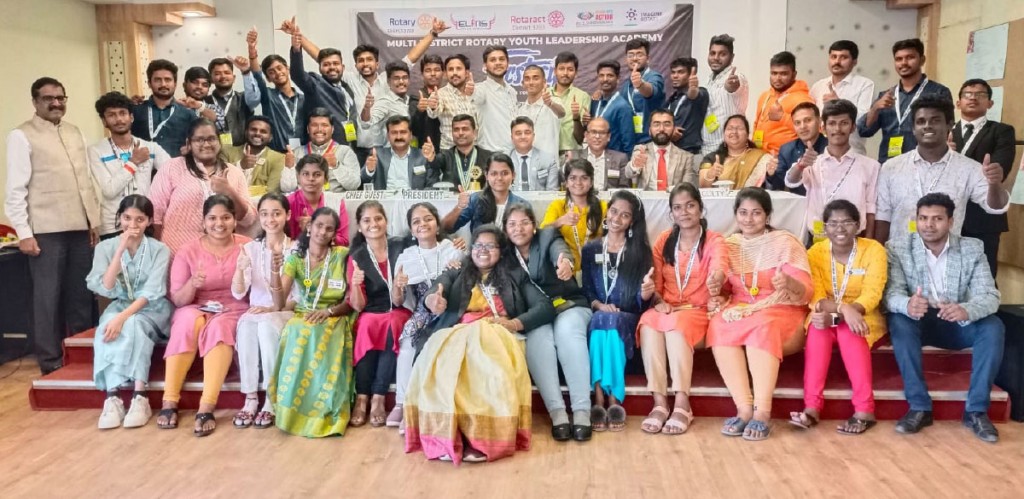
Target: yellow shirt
pixel 866 284
pixel 574 239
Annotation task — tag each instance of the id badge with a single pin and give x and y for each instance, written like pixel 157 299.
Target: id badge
pixel 598 258
pixel 711 123
pixel 557 302
pixel 613 174
pixel 638 123
pixel 295 143
pixel 335 283
pixel 542 174
pixel 419 170
pixel 261 161
pixel 895 146
pixel 759 138
pixel 818 231
pixel 225 139
pixel 414 142
pixel 912 226
pixel 350 131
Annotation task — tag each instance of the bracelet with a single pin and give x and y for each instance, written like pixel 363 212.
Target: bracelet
pixel 434 34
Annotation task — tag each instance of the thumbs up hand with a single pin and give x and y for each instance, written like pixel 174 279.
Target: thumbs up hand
pixel 463 201
pixel 546 96
pixel 358 276
pixel 732 83
pixel 647 286
pixel 993 172
pixel 694 83
pixel 570 219
pixel 432 101
pixel 371 161
pixel 775 112
pixel 773 164
pixel 422 103
pixel 368 103
pixel 400 282
pixel 887 100
pixel 950 142
pixel 831 95
pixel 635 77
pixel 436 301
pixel 289 157
pixel 470 85
pixel 781 281
pixel 808 158
pixel 564 271
pixel 714 283
pixel 640 158
pixel 917 306
pixel 718 167
pixel 575 108
pixel 276 259
pixel 428 150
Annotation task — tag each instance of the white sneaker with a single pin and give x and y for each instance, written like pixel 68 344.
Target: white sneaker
pixel 113 413
pixel 139 413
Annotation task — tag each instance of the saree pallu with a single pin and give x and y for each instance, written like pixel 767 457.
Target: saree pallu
pixel 469 381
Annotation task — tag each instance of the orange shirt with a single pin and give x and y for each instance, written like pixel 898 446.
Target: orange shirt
pixel 777 133
pixel 712 257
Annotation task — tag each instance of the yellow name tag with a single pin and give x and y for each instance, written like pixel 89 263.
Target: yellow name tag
pixel 819 231
pixel 225 139
pixel 638 123
pixel 912 226
pixel 557 302
pixel 895 146
pixel 759 138
pixel 327 186
pixel 414 142
pixel 711 123
pixel 350 131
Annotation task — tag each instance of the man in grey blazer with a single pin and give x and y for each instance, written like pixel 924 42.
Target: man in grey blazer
pixel 941 293
pixel 536 170
pixel 398 165
pixel 645 165
pixel 609 165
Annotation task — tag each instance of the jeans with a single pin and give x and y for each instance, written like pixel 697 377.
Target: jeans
pixel 562 342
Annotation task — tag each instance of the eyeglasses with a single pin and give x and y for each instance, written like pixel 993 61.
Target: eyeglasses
pixel 835 224
pixel 484 247
pixel 50 99
pixel 204 140
pixel 973 95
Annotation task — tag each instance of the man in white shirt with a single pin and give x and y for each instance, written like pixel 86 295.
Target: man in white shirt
pixel 543 110
pixel 844 84
pixel 536 169
pixel 727 89
pixel 121 164
pixel 496 101
pixel 341 159
pixel 394 102
pixel 398 165
pixel 51 202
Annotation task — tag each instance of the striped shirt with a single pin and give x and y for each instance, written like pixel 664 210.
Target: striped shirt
pixel 723 105
pixel 451 102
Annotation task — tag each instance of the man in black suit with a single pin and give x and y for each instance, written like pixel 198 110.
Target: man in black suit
pixel 453 165
pixel 976 137
pixel 399 165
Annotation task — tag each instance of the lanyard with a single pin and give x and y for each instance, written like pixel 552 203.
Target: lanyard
pixel 124 156
pixel 522 263
pixel 600 111
pixel 835 189
pixel 935 180
pixel 682 282
pixel 154 132
pixel 977 131
pixel 629 96
pixel 290 113
pixel 308 281
pixel 614 271
pixel 129 287
pixel 570 206
pixel 431 274
pixel 471 160
pixel 228 101
pixel 900 117
pixel 838 292
pixel 682 100
pixel 376 266
pixel 488 292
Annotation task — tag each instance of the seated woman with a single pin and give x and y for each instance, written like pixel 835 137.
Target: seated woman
pixel 184 184
pixel 371 278
pixel 689 267
pixel 312 175
pixel 207 313
pixel 737 160
pixel 488 205
pixel 770 283
pixel 259 329
pixel 618 283
pixel 845 310
pixel 312 384
pixel 131 270
pixel 422 263
pixel 546 258
pixel 469 394
pixel 578 217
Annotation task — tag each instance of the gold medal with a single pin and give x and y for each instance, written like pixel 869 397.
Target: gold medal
pixel 754 290
pixel 475 172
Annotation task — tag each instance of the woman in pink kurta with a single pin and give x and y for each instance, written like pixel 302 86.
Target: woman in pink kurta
pixel 770 285
pixel 184 183
pixel 207 313
pixel 312 171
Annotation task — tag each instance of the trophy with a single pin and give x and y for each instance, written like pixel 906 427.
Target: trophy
pixel 475 172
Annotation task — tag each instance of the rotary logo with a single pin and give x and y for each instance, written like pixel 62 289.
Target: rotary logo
pixel 556 19
pixel 425 22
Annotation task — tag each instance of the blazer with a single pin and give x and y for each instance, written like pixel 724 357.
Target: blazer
pixel 544 173
pixel 681 167
pixel 523 300
pixel 423 180
pixel 445 166
pixel 614 168
pixel 967 275
pixel 996 139
pixel 547 244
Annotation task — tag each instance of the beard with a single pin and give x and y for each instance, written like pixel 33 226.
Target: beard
pixel 660 139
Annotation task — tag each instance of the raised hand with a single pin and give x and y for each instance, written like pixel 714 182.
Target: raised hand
pixel 289 27
pixel 732 83
pixel 332 160
pixel 199 278
pixel 219 184
pixel 250 40
pixel 647 286
pixel 428 150
pixel 248 160
pixel 993 172
pixel 640 158
pixel 781 281
pixel 470 85
pixel 887 100
pixel 276 259
pixel 714 283
pixel 436 302
pixel 917 306
pixel 773 164
pixel 586 117
pixel 140 154
pixel 575 109
pixel 371 161
pixel 463 201
pixel 401 281
pixel 635 78
pixel 289 157
pixel 358 276
pixel 242 63
pixel 438 26
pixel 717 168
pixel 694 82
pixel 950 142
pixel 808 158
pixel 570 218
pixel 368 103
pixel 831 95
pixel 545 95
pixel 432 101
pixel 564 271
pixel 421 104
pixel 244 260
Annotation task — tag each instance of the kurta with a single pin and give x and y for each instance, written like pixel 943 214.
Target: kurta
pixel 128 357
pixel 378 319
pixel 257 287
pixel 866 282
pixel 575 237
pixel 300 208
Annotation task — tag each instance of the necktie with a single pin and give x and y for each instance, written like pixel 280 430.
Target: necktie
pixel 662 171
pixel 968 133
pixel 524 178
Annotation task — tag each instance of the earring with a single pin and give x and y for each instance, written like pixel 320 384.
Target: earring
pixel 630 234
pixel 604 225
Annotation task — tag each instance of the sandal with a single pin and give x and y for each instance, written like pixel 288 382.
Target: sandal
pixel 377 416
pixel 395 416
pixel 167 414
pixel 734 426
pixel 202 418
pixel 243 419
pixel 856 426
pixel 655 424
pixel 359 414
pixel 599 418
pixel 616 418
pixel 803 419
pixel 759 426
pixel 678 427
pixel 264 420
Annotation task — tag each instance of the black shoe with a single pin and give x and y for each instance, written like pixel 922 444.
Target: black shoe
pixel 561 432
pixel 982 426
pixel 913 421
pixel 49 369
pixel 582 433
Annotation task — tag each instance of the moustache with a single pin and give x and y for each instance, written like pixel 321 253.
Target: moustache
pixel 56 108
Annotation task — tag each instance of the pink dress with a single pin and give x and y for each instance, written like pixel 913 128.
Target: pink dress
pixel 219 328
pixel 178 199
pixel 299 206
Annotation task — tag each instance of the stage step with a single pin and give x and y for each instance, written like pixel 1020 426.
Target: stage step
pixel 948 375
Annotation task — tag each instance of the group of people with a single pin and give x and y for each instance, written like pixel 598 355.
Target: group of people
pixel 325 324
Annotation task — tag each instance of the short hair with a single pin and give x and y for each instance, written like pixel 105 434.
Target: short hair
pixel 431 59
pixel 457 57
pixel 197 73
pixel 320 112
pixel 493 48
pixel 847 45
pixel 724 40
pixel 840 205
pixel 684 62
pixel 259 117
pixel 937 199
pixel 784 58
pixel 932 101
pixel 161 65
pixel 807 105
pixel 639 43
pixel 612 65
pixel 269 60
pixel 44 81
pixel 662 111
pixel 522 120
pixel 465 117
pixel 327 52
pixel 839 107
pixel 394 67
pixel 394 120
pixel 361 49
pixel 538 68
pixel 911 44
pixel 975 81
pixel 113 100
pixel 564 57
pixel 220 61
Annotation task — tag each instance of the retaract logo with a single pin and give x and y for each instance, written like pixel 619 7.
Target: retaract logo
pixel 472 23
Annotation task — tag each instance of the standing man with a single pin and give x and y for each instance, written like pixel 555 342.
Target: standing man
pixel 727 90
pixel 774 124
pixel 660 165
pixel 263 166
pixel 453 99
pixel 343 173
pixel 609 104
pixel 543 110
pixel 197 91
pixel 644 90
pixel 161 118
pixel 232 110
pixel 889 113
pixel 976 137
pixel 496 101
pixel 52 205
pixel 536 169
pixel 399 165
pixel 423 126
pixel 809 143
pixel 325 89
pixel 282 105
pixel 395 102
pixel 453 164
pixel 844 84
pixel 572 99
pixel 609 165
pixel 689 105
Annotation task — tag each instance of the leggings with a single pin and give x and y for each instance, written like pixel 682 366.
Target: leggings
pixel 376 370
pixel 215 368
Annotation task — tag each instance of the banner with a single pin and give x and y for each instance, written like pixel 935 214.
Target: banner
pixel 535 34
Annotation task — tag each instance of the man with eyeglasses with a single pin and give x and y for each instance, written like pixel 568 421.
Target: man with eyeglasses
pixel 609 165
pixel 975 136
pixel 644 90
pixel 52 204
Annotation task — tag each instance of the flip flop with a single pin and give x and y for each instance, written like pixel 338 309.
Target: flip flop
pixel 803 419
pixel 599 418
pixel 616 418
pixel 648 425
pixel 859 426
pixel 167 413
pixel 734 426
pixel 682 426
pixel 759 426
pixel 203 418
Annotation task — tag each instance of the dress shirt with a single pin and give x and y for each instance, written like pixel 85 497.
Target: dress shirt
pixel 890 125
pixel 546 125
pixel 385 105
pixel 114 181
pixel 853 177
pixel 398 170
pixel 566 139
pixel 451 102
pixel 598 163
pixel 497 104
pixel 976 127
pixel 689 114
pixel 287 121
pixel 854 88
pixel 641 105
pixel 360 88
pixel 616 111
pixel 936 274
pixel 722 105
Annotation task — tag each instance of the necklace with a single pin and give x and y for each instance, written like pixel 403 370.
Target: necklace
pixel 610 272
pixel 753 289
pixel 308 281
pixel 376 266
pixel 839 292
pixel 682 282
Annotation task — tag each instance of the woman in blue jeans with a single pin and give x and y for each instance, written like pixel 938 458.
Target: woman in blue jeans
pixel 547 259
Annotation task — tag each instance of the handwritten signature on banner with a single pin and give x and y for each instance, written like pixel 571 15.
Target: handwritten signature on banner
pixel 521 58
